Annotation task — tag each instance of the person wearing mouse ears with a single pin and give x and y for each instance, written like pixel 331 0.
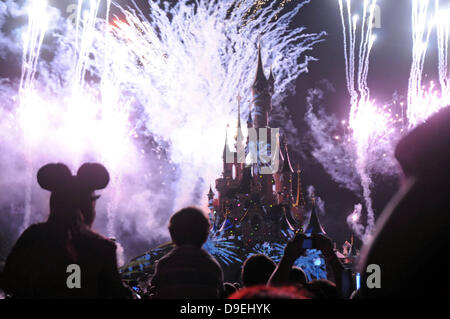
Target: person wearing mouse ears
pixel 63 257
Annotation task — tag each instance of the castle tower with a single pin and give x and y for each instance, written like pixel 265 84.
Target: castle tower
pixel 240 146
pixel 261 95
pixel 283 178
pixel 227 164
pixel 271 82
pixel 262 101
pixel 212 213
pixel 249 119
pixel 286 173
pixel 314 225
pixel 210 197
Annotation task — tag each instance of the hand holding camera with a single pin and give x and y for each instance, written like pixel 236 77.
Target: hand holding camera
pixel 294 248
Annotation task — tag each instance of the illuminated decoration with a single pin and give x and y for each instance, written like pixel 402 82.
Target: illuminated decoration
pixel 271 249
pixel 222 248
pixel 313 264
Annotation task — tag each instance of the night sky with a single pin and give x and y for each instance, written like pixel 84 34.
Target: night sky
pixel 389 71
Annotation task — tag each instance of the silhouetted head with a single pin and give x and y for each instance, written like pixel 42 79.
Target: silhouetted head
pixel 228 289
pixel 297 276
pixel 257 270
pixel 189 226
pixel 425 150
pixel 72 198
pixel 323 289
pixel 416 219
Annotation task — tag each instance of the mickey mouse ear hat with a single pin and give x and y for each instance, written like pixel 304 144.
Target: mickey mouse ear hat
pixel 54 177
pixel 93 176
pixel 57 177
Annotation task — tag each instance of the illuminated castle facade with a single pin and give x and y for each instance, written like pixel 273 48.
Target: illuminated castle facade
pixel 257 205
pixel 257 200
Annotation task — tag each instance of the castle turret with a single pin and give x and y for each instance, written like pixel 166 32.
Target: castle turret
pixel 210 194
pixel 285 176
pixel 262 106
pixel 240 145
pixel 299 200
pixel 314 225
pixel 249 119
pixel 212 213
pixel 261 95
pixel 228 159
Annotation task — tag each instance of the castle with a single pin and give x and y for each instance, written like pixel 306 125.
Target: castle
pixel 251 203
pixel 258 205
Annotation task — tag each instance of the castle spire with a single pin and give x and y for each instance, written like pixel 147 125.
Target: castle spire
pixel 260 82
pixel 239 135
pixel 249 119
pixel 287 167
pixel 239 111
pixel 314 225
pixel 299 201
pixel 262 100
pixel 240 146
pixel 271 82
pixel 210 193
pixel 226 149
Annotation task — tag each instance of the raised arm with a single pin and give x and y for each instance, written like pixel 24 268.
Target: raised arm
pixel 292 251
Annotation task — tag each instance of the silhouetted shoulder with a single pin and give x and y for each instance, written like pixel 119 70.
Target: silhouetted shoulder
pixel 98 242
pixel 31 235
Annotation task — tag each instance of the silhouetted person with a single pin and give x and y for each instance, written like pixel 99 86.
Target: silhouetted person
pixel 411 239
pixel 228 290
pixel 293 250
pixel 188 271
pixel 38 263
pixel 256 270
pixel 323 289
pixel 297 276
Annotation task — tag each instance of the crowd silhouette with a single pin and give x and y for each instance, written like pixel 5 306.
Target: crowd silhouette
pixel 411 239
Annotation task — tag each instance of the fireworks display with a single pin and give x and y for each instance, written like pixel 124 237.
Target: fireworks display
pixel 369 125
pixel 150 95
pixel 425 99
pixel 372 129
pixel 147 95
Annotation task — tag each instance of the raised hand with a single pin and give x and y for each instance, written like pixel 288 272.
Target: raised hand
pixel 293 249
pixel 324 244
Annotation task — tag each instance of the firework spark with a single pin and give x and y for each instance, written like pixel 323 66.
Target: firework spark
pixel 423 101
pixel 369 125
pixel 370 134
